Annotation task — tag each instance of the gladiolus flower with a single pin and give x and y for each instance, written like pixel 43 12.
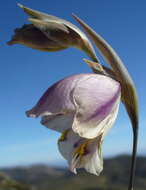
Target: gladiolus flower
pixel 83 107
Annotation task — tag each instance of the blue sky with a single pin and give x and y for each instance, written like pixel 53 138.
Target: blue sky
pixel 26 74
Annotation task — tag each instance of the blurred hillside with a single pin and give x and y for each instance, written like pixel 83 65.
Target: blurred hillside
pixel 42 177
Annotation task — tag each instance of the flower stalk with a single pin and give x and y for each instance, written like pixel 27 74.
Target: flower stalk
pixel 129 95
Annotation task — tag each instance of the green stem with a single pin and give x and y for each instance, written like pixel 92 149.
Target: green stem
pixel 133 161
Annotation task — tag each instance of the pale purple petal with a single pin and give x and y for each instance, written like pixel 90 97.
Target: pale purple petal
pixel 95 99
pixel 57 99
pixel 58 122
pixel 94 126
pixel 67 145
pixel 91 100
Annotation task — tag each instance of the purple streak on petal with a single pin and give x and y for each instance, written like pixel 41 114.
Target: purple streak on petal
pixel 104 110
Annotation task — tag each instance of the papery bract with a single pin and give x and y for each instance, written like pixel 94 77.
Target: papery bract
pixel 50 33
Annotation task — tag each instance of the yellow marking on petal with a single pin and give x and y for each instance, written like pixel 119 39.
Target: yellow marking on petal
pixel 81 150
pixel 63 136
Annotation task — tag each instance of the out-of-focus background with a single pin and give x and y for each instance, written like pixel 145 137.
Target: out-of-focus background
pixel 26 73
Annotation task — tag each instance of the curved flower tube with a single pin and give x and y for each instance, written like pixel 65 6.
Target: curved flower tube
pixel 86 103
